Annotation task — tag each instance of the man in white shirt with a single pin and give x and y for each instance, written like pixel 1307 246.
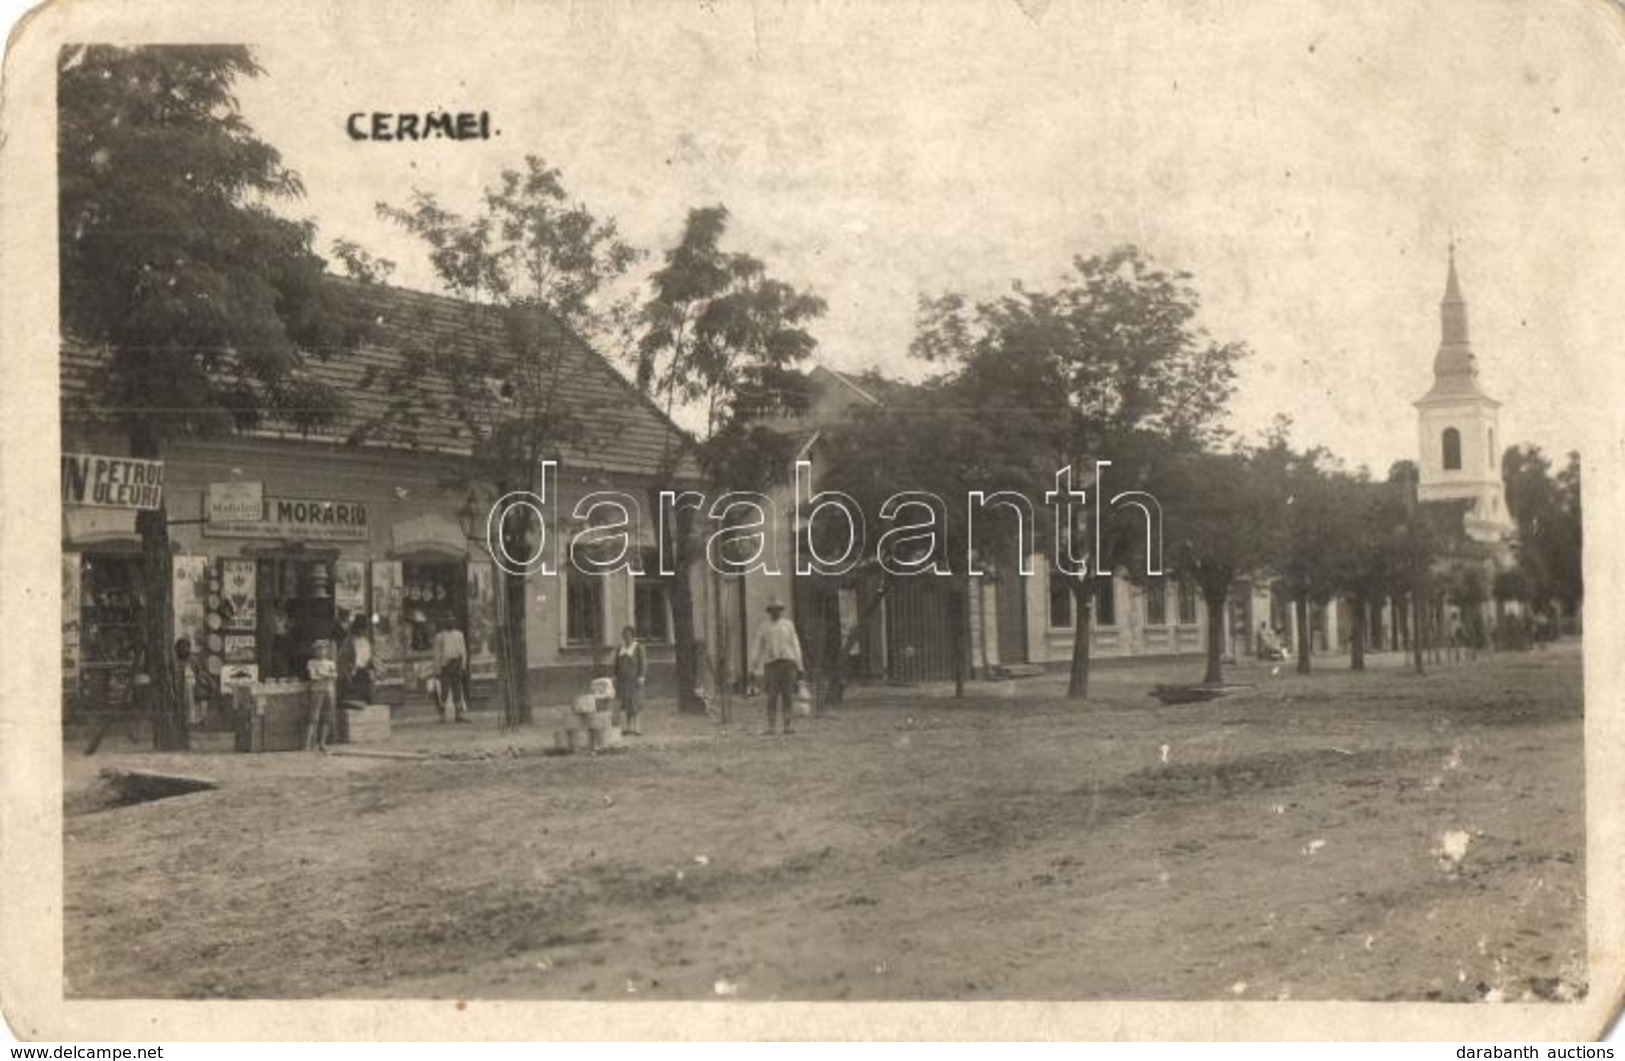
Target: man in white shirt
pixel 451 656
pixel 776 656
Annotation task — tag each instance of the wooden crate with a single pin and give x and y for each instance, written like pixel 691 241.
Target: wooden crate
pixel 364 725
pixel 273 720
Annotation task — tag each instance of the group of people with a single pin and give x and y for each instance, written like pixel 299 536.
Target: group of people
pixel 347 675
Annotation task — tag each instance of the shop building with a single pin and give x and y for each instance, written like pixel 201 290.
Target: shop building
pixel 281 537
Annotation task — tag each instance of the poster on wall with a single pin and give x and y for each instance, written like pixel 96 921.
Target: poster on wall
pixel 350 589
pixel 390 635
pixel 238 648
pixel 239 605
pixel 190 583
pixel 482 609
pixel 70 620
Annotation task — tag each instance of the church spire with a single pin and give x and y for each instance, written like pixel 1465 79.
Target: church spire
pixel 1455 357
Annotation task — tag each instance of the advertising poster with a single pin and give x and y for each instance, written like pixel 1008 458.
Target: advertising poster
pixel 239 605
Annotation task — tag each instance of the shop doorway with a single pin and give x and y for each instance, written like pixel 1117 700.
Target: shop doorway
pixel 295 611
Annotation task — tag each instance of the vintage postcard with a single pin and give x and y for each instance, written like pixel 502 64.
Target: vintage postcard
pixel 698 519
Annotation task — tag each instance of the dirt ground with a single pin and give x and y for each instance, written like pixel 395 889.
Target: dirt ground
pixel 1375 836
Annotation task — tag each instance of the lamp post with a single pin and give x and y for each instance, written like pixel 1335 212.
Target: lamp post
pixel 468 516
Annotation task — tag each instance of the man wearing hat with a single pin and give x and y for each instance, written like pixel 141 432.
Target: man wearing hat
pixel 777 658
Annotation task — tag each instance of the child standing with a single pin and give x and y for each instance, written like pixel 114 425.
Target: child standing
pixel 631 668
pixel 324 674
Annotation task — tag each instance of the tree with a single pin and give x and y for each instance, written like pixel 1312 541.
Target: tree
pixel 1370 569
pixel 1546 509
pixel 529 271
pixel 205 300
pixel 1307 504
pixel 721 338
pixel 929 441
pixel 1211 505
pixel 1114 362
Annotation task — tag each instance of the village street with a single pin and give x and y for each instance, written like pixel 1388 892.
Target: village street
pixel 1371 836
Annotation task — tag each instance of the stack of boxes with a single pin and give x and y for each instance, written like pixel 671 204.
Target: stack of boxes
pixel 593 724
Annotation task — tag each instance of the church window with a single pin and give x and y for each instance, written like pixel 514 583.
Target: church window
pixel 1492 445
pixel 1452 449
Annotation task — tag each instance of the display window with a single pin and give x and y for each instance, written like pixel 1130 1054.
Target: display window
pixel 433 594
pixel 111 604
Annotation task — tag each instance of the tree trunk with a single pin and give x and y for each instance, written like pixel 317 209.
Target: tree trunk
pixel 959 611
pixel 1416 629
pixel 1077 686
pixel 866 616
pixel 516 710
pixel 170 726
pixel 1305 636
pixel 1215 636
pixel 678 527
pixel 687 651
pixel 1357 606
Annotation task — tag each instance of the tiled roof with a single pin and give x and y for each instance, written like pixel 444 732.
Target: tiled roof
pixel 630 434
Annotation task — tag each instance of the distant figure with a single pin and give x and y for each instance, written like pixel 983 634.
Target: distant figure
pixel 355 663
pixel 323 694
pixel 1458 641
pixel 1270 643
pixel 451 657
pixel 776 656
pixel 196 688
pixel 631 669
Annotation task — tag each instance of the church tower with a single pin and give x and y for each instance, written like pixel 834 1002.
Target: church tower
pixel 1459 454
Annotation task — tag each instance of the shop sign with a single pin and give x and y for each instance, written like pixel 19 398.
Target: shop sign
pixel 112 482
pixel 235 502
pixel 298 519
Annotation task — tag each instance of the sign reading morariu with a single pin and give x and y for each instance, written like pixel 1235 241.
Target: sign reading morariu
pixel 302 519
pixel 112 482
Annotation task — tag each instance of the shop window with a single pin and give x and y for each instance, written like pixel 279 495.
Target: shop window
pixel 110 613
pixel 1452 449
pixel 1187 603
pixel 584 610
pixel 436 594
pixel 651 608
pixel 1156 604
pixel 1060 602
pixel 1105 601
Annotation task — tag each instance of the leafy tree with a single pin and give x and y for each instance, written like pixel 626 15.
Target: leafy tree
pixel 1432 532
pixel 722 338
pixel 1113 361
pixel 530 270
pixel 172 260
pixel 1370 569
pixel 1212 504
pixel 930 439
pixel 1546 509
pixel 1307 505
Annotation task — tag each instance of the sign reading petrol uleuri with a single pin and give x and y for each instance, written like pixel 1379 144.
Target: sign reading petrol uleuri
pixel 112 482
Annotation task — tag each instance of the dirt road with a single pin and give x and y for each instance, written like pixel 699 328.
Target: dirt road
pixel 1337 836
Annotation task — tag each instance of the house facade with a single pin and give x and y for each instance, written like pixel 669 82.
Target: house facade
pixel 281 537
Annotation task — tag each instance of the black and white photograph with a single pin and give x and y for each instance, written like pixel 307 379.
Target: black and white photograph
pixel 572 511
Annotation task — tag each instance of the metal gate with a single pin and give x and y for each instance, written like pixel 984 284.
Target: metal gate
pixel 920 616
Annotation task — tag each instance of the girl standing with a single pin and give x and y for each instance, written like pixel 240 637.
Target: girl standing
pixel 631 668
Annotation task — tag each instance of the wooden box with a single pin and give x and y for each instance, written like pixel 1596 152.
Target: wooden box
pixel 366 724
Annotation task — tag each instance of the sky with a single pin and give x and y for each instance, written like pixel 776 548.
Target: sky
pixel 1309 165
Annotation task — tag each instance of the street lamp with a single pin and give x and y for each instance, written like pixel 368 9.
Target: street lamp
pixel 468 517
